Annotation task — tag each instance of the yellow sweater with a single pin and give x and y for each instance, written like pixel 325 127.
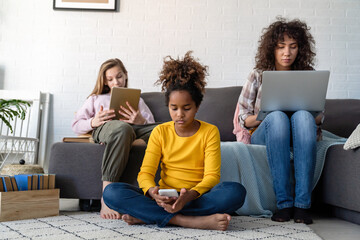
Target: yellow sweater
pixel 186 162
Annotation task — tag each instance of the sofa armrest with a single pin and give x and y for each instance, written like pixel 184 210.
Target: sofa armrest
pixel 341 179
pixel 78 169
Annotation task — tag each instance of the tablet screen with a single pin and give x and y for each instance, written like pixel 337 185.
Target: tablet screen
pixel 119 97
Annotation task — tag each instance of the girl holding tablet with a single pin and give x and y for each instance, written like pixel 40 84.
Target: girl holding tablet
pixel 117 135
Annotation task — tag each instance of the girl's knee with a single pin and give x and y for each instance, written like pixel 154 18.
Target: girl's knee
pixel 240 191
pixel 109 193
pixel 115 191
pixel 302 115
pixel 235 190
pixel 303 120
pixel 277 126
pixel 277 117
pixel 232 197
pixel 120 131
pixel 122 128
pixel 278 120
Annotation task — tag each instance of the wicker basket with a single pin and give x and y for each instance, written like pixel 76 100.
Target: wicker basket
pixel 14 169
pixel 13 149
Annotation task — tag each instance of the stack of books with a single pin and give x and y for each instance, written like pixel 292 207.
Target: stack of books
pixel 25 182
pixel 25 196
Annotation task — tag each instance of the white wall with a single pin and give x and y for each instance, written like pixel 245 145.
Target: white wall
pixel 60 51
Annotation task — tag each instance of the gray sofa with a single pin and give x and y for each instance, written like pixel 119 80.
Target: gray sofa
pixel 77 165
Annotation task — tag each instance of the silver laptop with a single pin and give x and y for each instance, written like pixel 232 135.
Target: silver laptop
pixel 290 91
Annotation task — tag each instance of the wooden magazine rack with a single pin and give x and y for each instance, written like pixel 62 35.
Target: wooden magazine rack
pixel 17 205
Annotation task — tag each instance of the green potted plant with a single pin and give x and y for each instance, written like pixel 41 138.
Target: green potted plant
pixel 12 108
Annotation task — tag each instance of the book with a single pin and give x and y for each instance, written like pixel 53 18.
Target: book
pixel 24 181
pixel 14 184
pixel 46 181
pixel 51 181
pixel 40 181
pixel 7 183
pixel 85 138
pixel 34 184
pixel 78 139
pixel 2 188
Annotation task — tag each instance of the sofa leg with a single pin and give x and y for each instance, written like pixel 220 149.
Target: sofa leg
pixel 84 205
pixel 95 205
pixel 90 205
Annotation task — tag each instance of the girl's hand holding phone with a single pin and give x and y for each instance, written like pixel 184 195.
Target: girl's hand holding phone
pixel 160 200
pixel 102 117
pixel 185 197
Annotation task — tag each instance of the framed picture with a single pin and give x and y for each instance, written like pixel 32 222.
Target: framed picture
pixel 101 5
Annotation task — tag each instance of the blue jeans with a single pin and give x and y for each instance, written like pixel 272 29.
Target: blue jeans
pixel 275 132
pixel 225 197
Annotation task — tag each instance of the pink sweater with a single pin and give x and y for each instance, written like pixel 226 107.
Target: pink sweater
pixel 82 122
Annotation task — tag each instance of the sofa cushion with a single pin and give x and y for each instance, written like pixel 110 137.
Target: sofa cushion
pixel 217 108
pixel 156 102
pixel 354 139
pixel 341 116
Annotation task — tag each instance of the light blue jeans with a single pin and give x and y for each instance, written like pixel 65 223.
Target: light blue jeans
pixel 275 132
pixel 225 197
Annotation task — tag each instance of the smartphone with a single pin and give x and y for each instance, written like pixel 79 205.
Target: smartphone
pixel 168 192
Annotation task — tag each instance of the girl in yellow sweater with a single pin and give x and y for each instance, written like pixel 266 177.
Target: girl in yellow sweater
pixel 189 154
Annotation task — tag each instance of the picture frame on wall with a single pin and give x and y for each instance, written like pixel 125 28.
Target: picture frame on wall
pixel 95 5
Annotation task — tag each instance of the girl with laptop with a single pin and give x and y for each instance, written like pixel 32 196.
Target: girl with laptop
pixel 284 46
pixel 189 154
pixel 117 135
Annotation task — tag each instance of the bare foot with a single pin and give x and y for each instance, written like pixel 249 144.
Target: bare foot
pixel 212 222
pixel 131 220
pixel 108 213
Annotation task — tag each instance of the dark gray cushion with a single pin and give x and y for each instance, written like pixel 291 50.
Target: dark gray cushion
pixel 156 102
pixel 217 108
pixel 341 116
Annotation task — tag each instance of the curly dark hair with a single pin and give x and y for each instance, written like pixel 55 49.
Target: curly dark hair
pixel 183 74
pixel 296 29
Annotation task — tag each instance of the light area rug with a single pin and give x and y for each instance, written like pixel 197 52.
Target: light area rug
pixel 84 225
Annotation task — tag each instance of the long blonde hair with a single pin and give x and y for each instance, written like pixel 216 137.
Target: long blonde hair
pixel 100 87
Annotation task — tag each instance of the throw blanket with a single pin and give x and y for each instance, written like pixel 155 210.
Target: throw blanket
pixel 248 165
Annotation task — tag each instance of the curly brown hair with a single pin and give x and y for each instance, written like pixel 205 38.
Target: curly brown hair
pixel 183 74
pixel 296 29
